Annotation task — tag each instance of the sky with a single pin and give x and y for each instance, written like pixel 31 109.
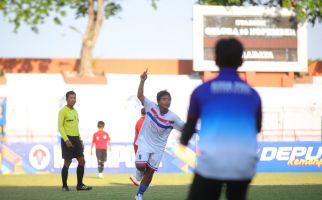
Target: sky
pixel 138 31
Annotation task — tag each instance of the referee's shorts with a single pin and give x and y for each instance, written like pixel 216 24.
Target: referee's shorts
pixel 68 153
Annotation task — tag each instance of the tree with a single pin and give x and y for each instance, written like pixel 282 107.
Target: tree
pixel 35 12
pixel 310 10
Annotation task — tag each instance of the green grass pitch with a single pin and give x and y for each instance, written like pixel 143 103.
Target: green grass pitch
pixel 265 186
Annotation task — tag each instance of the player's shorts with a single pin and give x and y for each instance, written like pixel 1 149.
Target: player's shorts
pixel 152 160
pixel 205 188
pixel 68 153
pixel 101 154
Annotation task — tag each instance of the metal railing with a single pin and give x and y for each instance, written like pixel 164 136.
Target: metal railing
pixel 290 135
pixel 265 136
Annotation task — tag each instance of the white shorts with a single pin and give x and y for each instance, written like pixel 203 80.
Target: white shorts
pixel 152 160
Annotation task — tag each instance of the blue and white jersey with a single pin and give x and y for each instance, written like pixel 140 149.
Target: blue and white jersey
pixel 156 128
pixel 229 110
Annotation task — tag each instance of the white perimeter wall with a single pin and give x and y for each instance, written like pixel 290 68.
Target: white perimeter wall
pixel 33 102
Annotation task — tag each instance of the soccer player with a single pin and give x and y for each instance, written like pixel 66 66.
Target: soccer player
pixel 138 126
pixel 138 176
pixel 71 144
pixel 101 140
pixel 231 115
pixel 154 134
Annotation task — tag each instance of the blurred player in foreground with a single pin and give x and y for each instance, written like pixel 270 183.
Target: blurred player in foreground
pixel 231 115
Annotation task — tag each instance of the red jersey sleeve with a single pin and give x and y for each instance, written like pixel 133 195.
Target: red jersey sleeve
pixel 107 137
pixel 137 128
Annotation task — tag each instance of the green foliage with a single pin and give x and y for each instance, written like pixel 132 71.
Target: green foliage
pixel 286 3
pixel 221 2
pixel 111 9
pixel 310 61
pixel 3 3
pixel 305 10
pixel 34 13
pixel 310 10
pixel 154 4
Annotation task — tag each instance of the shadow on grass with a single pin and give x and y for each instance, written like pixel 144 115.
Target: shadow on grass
pixel 93 177
pixel 285 192
pixel 116 191
pixel 119 191
pixel 121 184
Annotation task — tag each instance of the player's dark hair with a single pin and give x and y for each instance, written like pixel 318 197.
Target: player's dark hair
pixel 228 53
pixel 70 93
pixel 142 111
pixel 163 93
pixel 100 124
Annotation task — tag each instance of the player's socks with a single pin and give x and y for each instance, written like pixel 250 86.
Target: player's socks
pixel 100 166
pixel 64 175
pixel 80 174
pixel 142 189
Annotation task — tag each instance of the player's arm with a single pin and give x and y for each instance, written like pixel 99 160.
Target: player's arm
pixel 61 126
pixel 80 138
pixel 259 118
pixel 178 123
pixel 192 118
pixel 108 141
pixel 188 130
pixel 140 94
pixel 109 145
pixel 61 129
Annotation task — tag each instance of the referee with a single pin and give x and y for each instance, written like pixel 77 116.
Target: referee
pixel 71 144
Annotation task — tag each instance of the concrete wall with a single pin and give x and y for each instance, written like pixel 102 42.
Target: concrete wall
pixel 33 102
pixel 292 114
pixel 156 66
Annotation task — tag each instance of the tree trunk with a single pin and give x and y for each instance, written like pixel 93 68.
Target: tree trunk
pixel 86 68
pixel 94 24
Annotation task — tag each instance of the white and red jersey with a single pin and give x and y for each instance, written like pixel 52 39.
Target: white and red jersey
pixel 156 128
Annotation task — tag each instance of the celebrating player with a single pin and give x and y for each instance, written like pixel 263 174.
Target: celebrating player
pixel 154 134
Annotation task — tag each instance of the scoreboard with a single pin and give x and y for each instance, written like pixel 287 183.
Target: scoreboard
pixel 272 42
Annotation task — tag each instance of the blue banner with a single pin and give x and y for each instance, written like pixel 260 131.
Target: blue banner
pixel 290 157
pixel 3 110
pixel 31 158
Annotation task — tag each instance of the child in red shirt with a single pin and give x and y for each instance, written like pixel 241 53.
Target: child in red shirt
pixel 102 142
